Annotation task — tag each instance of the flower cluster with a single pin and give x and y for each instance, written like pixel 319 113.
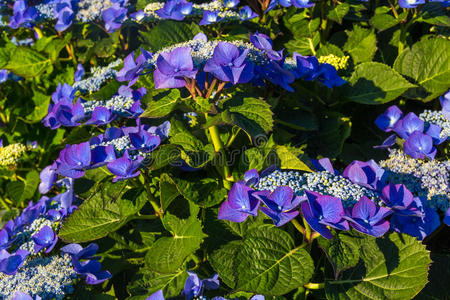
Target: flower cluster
pixel 361 198
pixel 340 63
pixel 230 62
pixel 99 75
pixel 122 150
pixel 65 12
pixel 421 134
pixel 210 12
pixel 426 179
pixel 11 154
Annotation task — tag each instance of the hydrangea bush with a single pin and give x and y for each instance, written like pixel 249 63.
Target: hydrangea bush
pixel 226 149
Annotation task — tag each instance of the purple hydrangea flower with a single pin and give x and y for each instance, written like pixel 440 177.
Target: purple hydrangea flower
pixel 10 263
pixel 419 145
pixel 101 116
pixel 251 177
pixel 73 159
pixel 156 296
pixel 410 3
pixel 321 211
pixel 162 130
pixel 388 142
pixel 242 201
pixel 175 10
pixel 101 155
pixel 194 286
pixel 79 73
pixel 3 75
pixel 209 17
pixel 417 226
pixel 131 69
pixel 434 131
pixel 229 65
pixel 281 204
pixel 307 66
pixel 85 263
pixel 23 296
pixel 125 167
pixel 302 3
pixel 114 16
pixel 389 118
pixel 447 217
pixel 65 15
pixel 275 73
pixel 45 238
pixel 367 174
pixel 410 123
pixel 264 43
pixel 398 198
pixel 367 218
pixel 23 15
pixel 144 141
pixel 246 13
pixel 7 235
pixel 48 176
pixel 324 164
pixel 172 67
pixel 327 74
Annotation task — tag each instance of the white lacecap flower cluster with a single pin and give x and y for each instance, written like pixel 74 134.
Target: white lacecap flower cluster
pixel 118 104
pixel 224 13
pixel 427 179
pixel 438 118
pixel 87 10
pixel 99 75
pixel 323 182
pixel 48 277
pixel 202 51
pixel 121 144
pixel 24 237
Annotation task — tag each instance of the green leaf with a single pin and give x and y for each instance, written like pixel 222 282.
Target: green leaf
pixel 27 63
pixel 426 63
pixel 15 190
pixel 250 114
pixel 392 267
pixel 298 119
pixel 5 53
pixel 383 21
pixel 361 44
pixel 163 156
pixel 32 181
pixel 147 282
pixel 41 102
pixel 195 153
pixel 168 254
pixel 439 278
pixel 304 45
pixel 434 13
pixel 342 251
pixel 375 83
pixel 270 264
pixel 338 12
pixel 222 261
pixel 162 104
pixel 168 33
pixel 289 160
pixel 168 191
pixel 106 211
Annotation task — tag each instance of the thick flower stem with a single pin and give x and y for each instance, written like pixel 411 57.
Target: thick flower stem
pixel 219 148
pixel 299 227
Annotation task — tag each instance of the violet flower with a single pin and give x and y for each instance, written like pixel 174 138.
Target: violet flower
pixel 445 103
pixel 367 218
pixel 389 118
pixel 307 66
pixel 419 145
pixel 73 159
pixel 114 16
pixel 410 3
pixel 23 296
pixel 209 17
pixel 230 3
pixel 229 65
pixel 124 167
pixel 131 69
pixel 45 238
pixel 194 286
pixel 410 123
pixel 328 75
pixel 367 174
pixel 101 116
pixel 242 201
pixel 79 73
pixel 65 15
pixel 172 67
pixel 85 263
pixel 48 176
pixel 281 204
pixel 175 10
pixel 23 15
pixel 10 263
pixel 144 141
pixel 324 164
pixel 264 43
pixel 275 73
pixel 101 155
pixel 398 198
pixel 246 13
pixel 321 211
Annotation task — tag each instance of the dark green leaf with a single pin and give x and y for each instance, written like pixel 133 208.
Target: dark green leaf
pixel 27 63
pixel 162 104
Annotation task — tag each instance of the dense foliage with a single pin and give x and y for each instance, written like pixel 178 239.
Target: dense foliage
pixel 283 149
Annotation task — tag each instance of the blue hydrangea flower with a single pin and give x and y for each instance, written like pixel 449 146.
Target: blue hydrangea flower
pixel 410 3
pixel 195 286
pixel 389 118
pixel 65 15
pixel 45 239
pixel 242 201
pixel 23 15
pixel 321 211
pixel 367 218
pixel 209 17
pixel 410 123
pixel 114 16
pixel 173 67
pixel 73 159
pixel 419 145
pixel 246 13
pixel 124 167
pixel 280 205
pixel 175 10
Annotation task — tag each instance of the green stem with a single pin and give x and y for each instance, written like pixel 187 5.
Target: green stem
pixel 4 204
pixel 307 230
pixel 299 227
pixel 151 199
pixel 232 138
pixel 219 148
pixel 314 286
